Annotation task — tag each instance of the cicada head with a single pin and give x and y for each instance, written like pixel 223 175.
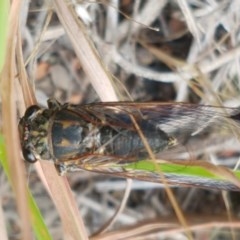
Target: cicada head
pixel 33 128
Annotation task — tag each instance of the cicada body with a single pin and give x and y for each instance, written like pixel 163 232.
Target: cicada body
pixel 102 137
pixel 68 132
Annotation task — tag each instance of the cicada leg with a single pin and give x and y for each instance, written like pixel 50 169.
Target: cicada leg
pixel 61 168
pixel 54 104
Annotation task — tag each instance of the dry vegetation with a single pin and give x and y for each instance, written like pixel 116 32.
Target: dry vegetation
pixel 86 51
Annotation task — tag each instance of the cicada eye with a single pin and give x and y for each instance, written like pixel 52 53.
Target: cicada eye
pixel 31 111
pixel 28 155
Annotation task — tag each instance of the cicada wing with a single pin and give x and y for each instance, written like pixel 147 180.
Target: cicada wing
pixel 180 120
pixel 110 165
pixel 90 162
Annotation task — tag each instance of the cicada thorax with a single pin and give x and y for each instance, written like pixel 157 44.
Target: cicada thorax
pixel 71 136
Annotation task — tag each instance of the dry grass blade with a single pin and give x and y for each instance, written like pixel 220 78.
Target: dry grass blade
pixel 226 199
pixel 27 89
pixel 88 57
pixel 10 122
pixel 169 192
pixel 121 207
pixel 62 196
pixel 167 229
pixel 63 199
pixel 2 224
pixel 192 25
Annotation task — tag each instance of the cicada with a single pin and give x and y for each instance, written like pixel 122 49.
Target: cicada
pixel 103 138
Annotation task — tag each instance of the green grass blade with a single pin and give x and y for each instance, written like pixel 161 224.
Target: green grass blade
pixel 178 170
pixel 4 9
pixel 38 225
